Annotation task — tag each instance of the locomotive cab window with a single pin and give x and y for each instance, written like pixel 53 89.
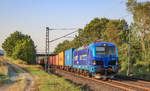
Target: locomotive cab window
pixel 110 51
pixel 101 50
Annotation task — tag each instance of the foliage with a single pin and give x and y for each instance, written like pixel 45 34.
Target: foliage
pixel 141 16
pixel 115 33
pixel 106 29
pixel 62 46
pixel 140 37
pixel 20 46
pixel 11 42
pixel 18 61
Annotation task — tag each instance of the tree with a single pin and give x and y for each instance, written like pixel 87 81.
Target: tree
pixel 62 47
pixel 94 30
pixel 140 39
pixel 11 42
pixel 20 46
pixel 106 29
pixel 141 16
pixel 25 50
pixel 115 33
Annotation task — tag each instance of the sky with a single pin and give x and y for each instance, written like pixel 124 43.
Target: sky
pixel 32 16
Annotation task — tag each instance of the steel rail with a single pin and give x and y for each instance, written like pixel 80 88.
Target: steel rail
pixel 119 82
pixel 131 85
pixel 145 82
pixel 100 81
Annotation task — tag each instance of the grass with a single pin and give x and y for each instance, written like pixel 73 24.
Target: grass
pixel 140 69
pixel 18 61
pixel 45 81
pixel 3 72
pixel 50 82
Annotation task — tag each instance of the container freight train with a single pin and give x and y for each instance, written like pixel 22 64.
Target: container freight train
pixel 99 59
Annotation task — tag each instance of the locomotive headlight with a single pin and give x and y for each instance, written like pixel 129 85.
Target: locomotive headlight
pixel 94 62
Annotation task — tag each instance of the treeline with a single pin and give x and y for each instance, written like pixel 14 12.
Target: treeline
pixel 20 46
pixel 133 41
pixel 106 29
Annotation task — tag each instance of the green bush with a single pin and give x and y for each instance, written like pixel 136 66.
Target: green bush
pixel 20 46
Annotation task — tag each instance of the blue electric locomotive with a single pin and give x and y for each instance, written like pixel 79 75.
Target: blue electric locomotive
pixel 99 59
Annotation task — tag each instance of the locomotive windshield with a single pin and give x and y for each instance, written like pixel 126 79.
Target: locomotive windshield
pixel 102 51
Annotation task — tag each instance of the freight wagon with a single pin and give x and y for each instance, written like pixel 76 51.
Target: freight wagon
pixel 52 59
pixel 61 60
pixel 41 61
pixel 69 59
pixel 57 62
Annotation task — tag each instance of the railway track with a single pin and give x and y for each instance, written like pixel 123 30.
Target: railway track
pixel 132 85
pixel 122 85
pixel 135 79
pixel 144 82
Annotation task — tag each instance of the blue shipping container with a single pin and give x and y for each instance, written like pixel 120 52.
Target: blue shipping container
pixel 69 57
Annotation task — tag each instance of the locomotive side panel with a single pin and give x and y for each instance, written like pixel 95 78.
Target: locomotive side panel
pixel 80 59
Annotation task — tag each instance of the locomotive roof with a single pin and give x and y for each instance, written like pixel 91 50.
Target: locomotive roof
pixel 103 43
pixel 84 47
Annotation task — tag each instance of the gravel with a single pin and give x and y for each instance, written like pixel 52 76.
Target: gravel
pixel 87 85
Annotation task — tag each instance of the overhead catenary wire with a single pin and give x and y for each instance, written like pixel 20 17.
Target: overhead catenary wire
pixel 67 35
pixel 63 36
pixel 63 28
